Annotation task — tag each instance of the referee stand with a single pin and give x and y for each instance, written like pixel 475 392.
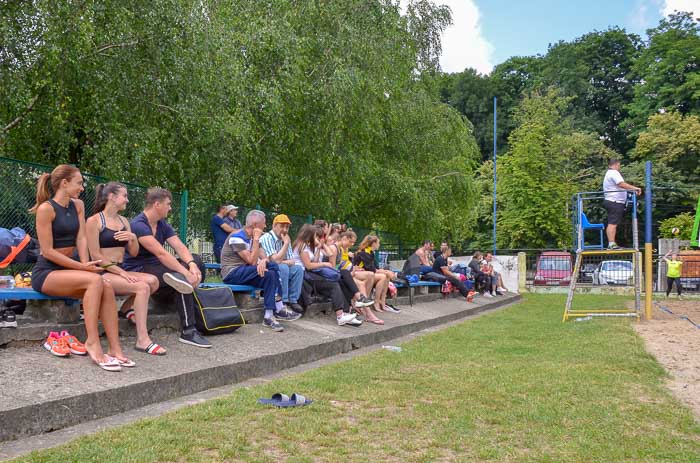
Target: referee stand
pixel 581 224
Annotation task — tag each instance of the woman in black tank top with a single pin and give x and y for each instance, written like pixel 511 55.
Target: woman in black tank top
pixel 60 227
pixel 109 236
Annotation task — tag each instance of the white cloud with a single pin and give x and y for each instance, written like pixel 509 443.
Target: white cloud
pixel 639 18
pixel 669 6
pixel 463 43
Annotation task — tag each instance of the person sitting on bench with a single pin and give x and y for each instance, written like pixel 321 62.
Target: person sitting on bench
pixel 243 262
pixel 318 273
pixel 177 278
pixel 424 254
pixel 278 248
pixel 481 280
pixel 60 228
pixel 109 236
pixel 442 267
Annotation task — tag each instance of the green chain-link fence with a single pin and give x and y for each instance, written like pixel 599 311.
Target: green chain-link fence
pixel 18 193
pixel 190 215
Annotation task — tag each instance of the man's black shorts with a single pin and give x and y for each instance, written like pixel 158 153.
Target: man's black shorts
pixel 615 211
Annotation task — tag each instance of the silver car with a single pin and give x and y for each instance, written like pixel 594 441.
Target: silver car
pixel 614 272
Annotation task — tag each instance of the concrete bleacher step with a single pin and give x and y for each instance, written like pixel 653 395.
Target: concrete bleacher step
pixel 40 393
pixel 31 329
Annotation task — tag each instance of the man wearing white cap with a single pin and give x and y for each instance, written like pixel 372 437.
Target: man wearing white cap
pixel 230 217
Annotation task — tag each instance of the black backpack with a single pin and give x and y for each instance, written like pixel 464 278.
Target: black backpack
pixel 216 311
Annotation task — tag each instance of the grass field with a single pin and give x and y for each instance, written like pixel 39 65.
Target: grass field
pixel 515 385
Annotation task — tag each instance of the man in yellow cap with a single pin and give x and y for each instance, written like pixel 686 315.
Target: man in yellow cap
pixel 277 246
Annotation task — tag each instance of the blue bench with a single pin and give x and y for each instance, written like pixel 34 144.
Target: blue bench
pixel 53 314
pixel 252 290
pixel 30 295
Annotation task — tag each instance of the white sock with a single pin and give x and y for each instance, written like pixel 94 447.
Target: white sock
pixel 268 313
pixel 279 305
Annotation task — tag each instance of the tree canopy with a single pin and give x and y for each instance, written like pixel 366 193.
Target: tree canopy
pixel 562 114
pixel 328 107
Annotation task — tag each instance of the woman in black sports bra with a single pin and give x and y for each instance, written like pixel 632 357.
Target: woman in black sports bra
pixel 60 227
pixel 108 236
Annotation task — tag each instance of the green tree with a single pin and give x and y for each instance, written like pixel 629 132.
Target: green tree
pixel 595 71
pixel 684 222
pixel 472 94
pixel 547 162
pixel 668 70
pixel 303 106
pixel 673 140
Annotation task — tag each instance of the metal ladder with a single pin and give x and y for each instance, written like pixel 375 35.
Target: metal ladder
pixel 581 252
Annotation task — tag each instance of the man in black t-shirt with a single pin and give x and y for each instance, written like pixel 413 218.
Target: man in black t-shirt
pixel 442 267
pixel 177 277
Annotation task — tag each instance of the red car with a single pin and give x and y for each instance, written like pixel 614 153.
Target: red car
pixel 553 269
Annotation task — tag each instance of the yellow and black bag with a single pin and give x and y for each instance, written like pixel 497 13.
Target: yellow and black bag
pixel 216 311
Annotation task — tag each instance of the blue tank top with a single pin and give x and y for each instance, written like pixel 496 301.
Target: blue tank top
pixel 107 239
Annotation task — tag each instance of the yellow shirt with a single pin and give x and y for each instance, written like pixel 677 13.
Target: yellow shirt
pixel 674 268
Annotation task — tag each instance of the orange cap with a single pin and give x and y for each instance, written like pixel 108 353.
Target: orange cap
pixel 281 218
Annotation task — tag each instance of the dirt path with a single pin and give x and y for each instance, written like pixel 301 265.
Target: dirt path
pixel 676 345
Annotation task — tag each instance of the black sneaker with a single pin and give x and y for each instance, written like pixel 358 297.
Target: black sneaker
pixel 193 338
pixel 364 302
pixel 273 324
pixel 391 308
pixel 296 307
pixel 8 319
pixel 287 315
pixel 178 282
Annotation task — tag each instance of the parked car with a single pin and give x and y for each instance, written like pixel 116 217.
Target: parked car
pixel 614 272
pixel 586 273
pixel 553 269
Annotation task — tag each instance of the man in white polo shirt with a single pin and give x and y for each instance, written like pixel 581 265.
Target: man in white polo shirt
pixel 614 187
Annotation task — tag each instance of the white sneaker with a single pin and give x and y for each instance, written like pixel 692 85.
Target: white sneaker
pixel 487 295
pixel 354 322
pixel 503 290
pixel 345 318
pixel 178 282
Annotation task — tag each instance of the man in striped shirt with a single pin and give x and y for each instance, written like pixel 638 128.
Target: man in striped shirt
pixel 244 263
pixel 277 247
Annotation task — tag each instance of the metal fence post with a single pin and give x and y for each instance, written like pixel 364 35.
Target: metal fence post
pixel 184 199
pixel 648 248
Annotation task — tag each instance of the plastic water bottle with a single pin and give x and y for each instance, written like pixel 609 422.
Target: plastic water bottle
pixel 584 319
pixel 7 282
pixel 392 348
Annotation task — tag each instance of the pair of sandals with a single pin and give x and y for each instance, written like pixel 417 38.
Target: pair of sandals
pixel 280 400
pixel 114 364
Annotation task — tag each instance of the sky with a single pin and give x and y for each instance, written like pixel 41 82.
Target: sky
pixel 487 32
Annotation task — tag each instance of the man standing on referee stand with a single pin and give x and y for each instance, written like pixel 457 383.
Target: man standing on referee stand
pixel 614 187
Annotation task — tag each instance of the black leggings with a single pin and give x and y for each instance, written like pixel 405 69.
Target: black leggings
pixel 167 295
pixel 329 289
pixel 348 285
pixel 669 284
